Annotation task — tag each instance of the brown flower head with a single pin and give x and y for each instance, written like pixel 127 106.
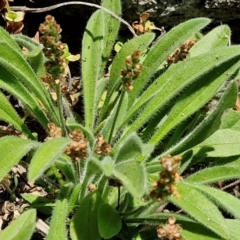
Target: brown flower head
pixel 181 53
pixel 78 148
pixel 170 231
pixel 169 175
pixel 103 148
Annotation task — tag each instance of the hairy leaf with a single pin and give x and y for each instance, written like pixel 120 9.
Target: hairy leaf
pixel 9 115
pixel 21 228
pixel 44 157
pixel 218 37
pixel 223 143
pixel 175 79
pixel 224 200
pixel 133 176
pixel 84 224
pixel 201 209
pixel 57 230
pixel 109 221
pixel 162 49
pixel 12 150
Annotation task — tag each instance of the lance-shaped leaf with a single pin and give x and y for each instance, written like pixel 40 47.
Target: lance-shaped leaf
pixel 21 228
pixel 45 156
pixel 20 69
pixel 9 115
pixel 194 98
pixel 224 200
pixel 223 143
pixel 111 26
pixel 217 173
pixel 218 37
pixel 18 90
pixel 209 124
pixel 195 204
pixel 139 43
pixel 175 79
pixel 12 150
pixel 57 230
pixel 163 48
pixel 97 41
pixel 231 120
pixel 35 55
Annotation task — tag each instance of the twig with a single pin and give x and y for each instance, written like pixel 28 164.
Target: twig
pixel 231 185
pixel 46 9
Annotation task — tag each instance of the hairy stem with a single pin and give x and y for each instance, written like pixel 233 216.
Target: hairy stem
pixel 60 108
pixel 116 115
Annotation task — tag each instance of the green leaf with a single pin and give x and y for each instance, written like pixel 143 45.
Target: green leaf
pixel 132 147
pixel 94 44
pixel 209 124
pixel 231 120
pixel 9 115
pixel 223 143
pixel 38 202
pixel 200 208
pixel 20 70
pixel 6 37
pixel 112 121
pixel 193 98
pixel 106 165
pixel 224 200
pixel 109 221
pixel 65 164
pixel 175 79
pixel 132 174
pixel 12 150
pixel 74 197
pixel 12 85
pixel 84 224
pixel 197 231
pixel 21 228
pixel 218 37
pixel 25 41
pixel 44 157
pixel 111 27
pixel 138 43
pixel 215 174
pixel 162 49
pixel 57 230
pixel 35 56
pixel 234 227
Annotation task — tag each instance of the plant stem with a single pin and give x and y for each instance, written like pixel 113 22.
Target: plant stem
pixel 57 175
pixel 78 170
pixel 46 9
pixel 7 6
pixel 116 115
pixel 60 108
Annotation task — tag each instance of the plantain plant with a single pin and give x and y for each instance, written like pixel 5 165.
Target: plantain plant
pixel 143 157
